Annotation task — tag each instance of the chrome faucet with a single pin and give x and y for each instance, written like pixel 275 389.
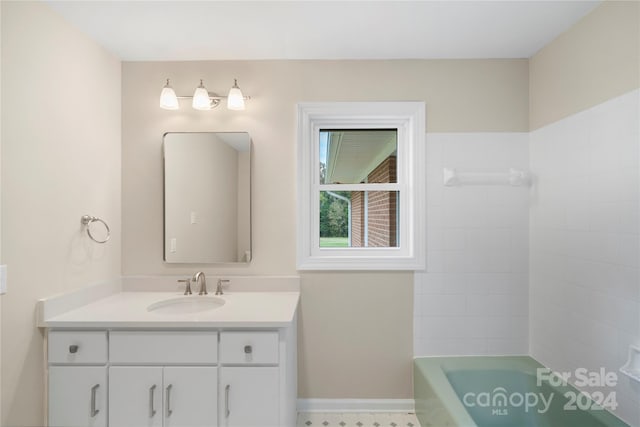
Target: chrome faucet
pixel 219 287
pixel 203 285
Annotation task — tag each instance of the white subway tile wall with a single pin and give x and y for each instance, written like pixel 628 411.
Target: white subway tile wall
pixel 584 254
pixel 473 297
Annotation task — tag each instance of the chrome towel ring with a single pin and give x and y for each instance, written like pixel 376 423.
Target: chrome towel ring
pixel 86 221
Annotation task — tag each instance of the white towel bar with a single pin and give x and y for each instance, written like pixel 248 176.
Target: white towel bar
pixel 514 177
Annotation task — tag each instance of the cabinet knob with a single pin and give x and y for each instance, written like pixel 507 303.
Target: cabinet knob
pixel 73 349
pixel 248 349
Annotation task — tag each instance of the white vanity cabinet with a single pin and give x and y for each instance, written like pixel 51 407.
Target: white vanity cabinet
pixel 172 378
pixel 78 396
pixel 249 379
pixel 136 396
pixel 249 397
pixel 175 392
pixel 163 396
pixel 77 385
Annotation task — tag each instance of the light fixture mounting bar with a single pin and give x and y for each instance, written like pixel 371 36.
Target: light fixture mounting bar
pixel 211 96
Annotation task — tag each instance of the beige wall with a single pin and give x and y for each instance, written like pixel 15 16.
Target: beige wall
pixel 595 60
pixel 60 159
pixel 344 316
pixel 356 335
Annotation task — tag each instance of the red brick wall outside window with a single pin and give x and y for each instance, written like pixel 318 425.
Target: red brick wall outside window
pixel 357 219
pixel 382 210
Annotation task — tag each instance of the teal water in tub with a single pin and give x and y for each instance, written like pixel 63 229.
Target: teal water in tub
pixel 510 398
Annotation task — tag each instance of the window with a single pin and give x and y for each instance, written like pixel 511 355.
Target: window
pixel 361 186
pixel 358 218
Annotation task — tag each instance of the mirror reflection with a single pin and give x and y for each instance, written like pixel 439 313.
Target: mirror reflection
pixel 351 217
pixel 207 197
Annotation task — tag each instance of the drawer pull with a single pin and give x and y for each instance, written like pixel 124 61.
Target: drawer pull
pixel 227 412
pixel 248 349
pixel 169 410
pixel 94 390
pixel 73 349
pixel 152 410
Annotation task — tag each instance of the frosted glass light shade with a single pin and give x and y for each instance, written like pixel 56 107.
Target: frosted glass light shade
pixel 201 99
pixel 235 99
pixel 168 98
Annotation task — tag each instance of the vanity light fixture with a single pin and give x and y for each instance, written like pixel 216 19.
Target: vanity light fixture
pixel 202 99
pixel 168 98
pixel 235 100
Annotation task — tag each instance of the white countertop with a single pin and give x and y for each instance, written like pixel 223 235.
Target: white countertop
pixel 129 310
pixel 113 307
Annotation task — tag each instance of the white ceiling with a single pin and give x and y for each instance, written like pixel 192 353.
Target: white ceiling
pixel 204 30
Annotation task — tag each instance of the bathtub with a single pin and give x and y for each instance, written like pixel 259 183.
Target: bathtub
pixel 497 391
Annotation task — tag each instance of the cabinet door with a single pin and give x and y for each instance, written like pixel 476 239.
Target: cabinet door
pixel 135 396
pixel 77 396
pixel 190 396
pixel 249 396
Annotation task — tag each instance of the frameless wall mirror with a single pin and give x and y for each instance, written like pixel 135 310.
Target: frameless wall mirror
pixel 207 197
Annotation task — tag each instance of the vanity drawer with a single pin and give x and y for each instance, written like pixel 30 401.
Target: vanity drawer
pixel 77 347
pixel 249 348
pixel 163 347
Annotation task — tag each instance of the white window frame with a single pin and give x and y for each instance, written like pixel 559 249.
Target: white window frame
pixel 409 119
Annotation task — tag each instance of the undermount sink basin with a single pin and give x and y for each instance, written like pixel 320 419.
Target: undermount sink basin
pixel 186 305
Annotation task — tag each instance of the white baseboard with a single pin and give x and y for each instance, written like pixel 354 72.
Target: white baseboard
pixel 356 405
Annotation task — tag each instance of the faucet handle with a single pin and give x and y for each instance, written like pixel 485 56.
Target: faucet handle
pixel 219 290
pixel 187 289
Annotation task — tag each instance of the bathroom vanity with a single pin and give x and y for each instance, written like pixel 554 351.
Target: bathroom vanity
pixel 168 360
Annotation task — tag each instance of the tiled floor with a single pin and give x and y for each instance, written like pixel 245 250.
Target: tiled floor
pixel 357 420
